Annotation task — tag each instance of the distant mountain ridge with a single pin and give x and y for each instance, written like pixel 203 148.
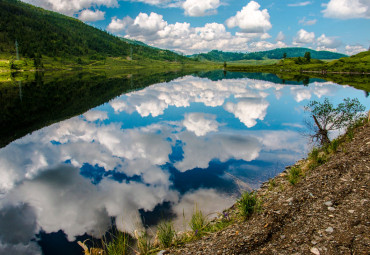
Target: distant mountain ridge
pixel 42 32
pixel 220 56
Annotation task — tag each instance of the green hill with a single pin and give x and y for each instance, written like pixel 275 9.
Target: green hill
pixel 220 56
pixel 44 33
pixel 359 62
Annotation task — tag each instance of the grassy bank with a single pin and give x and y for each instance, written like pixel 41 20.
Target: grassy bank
pixel 9 65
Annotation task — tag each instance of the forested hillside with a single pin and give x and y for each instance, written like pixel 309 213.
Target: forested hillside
pixel 41 32
pixel 280 53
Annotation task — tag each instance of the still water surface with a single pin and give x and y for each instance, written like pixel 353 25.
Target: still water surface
pixel 152 154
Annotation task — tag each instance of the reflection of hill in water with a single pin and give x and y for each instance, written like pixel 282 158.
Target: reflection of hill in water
pixel 288 80
pixel 41 100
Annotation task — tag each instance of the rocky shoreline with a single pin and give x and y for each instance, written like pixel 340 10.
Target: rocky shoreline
pixel 326 212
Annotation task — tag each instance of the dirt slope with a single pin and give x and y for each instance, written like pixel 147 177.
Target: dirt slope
pixel 325 213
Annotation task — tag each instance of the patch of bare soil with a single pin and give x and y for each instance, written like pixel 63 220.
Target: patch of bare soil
pixel 327 212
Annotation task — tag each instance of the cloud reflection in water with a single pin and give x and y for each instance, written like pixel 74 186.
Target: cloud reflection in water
pixel 45 185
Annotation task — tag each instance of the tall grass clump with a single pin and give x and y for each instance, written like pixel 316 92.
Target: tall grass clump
pixel 198 221
pixel 165 234
pixel 294 175
pixel 318 157
pixel 144 244
pixel 119 245
pixel 248 204
pixel 272 184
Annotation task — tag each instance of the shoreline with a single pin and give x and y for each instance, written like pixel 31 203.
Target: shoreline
pixel 314 216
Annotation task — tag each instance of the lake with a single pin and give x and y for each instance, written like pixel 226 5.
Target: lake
pixel 82 152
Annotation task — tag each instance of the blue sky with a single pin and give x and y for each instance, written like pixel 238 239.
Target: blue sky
pixel 193 26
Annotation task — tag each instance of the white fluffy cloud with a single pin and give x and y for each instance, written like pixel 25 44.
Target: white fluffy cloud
pixel 303 37
pixel 200 123
pixel 95 115
pixel 180 93
pixel 328 43
pixel 347 9
pixel 251 19
pixel 70 7
pixel 319 89
pixel 198 8
pixel 248 110
pixel 354 49
pixel 155 31
pixel 91 16
pixel 199 151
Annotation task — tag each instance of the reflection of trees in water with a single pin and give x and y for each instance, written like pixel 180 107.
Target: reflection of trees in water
pixel 47 99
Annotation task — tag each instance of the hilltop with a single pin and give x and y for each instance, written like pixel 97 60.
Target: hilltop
pixel 46 36
pixel 326 212
pixel 293 52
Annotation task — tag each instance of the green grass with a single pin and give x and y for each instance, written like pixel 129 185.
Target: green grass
pixel 198 222
pixel 272 184
pixel 120 244
pixel 294 175
pixel 165 234
pixel 248 204
pixel 144 243
pixel 254 62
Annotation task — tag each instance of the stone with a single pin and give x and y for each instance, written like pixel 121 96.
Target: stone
pixel 328 203
pixel 329 230
pixel 315 251
pixel 163 252
pixel 331 208
pixel 351 211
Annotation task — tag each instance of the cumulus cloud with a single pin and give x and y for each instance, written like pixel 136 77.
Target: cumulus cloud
pixel 91 16
pixel 328 43
pixel 347 9
pixel 248 110
pixel 300 94
pixel 318 89
pixel 251 19
pixel 200 123
pixel 303 37
pixel 71 7
pixel 61 199
pixel 264 45
pixel 95 115
pixel 198 8
pixel 354 49
pixel 199 151
pixel 181 37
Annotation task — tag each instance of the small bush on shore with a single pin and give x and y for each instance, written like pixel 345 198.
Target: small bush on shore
pixel 248 204
pixel 120 244
pixel 294 175
pixel 143 242
pixel 198 221
pixel 165 234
